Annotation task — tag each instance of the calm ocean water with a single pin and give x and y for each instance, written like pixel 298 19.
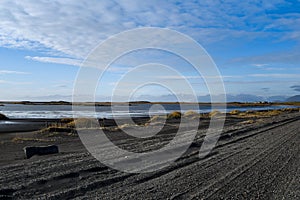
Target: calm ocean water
pixel 16 111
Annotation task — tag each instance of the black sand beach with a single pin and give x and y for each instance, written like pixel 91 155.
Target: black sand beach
pixel 257 157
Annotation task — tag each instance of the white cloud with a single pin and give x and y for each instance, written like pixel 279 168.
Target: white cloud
pixel 66 61
pixel 260 65
pixel 61 86
pixel 287 57
pixel 276 75
pixel 73 28
pixel 2 72
pixel 14 82
pixel 197 77
pixel 265 67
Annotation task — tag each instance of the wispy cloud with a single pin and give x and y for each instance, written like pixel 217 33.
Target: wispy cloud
pixel 197 77
pixel 267 68
pixel 259 65
pixel 276 75
pixel 261 34
pixel 65 61
pixel 296 88
pixel 61 86
pixel 287 57
pixel 12 72
pixel 14 82
pixel 72 29
pixel 266 89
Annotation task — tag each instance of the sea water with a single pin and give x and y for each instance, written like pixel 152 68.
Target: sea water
pixel 18 111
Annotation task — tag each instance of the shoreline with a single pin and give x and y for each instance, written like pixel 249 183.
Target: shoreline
pixel 135 110
pixel 33 124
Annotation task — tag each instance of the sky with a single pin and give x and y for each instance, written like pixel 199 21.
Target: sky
pixel 254 44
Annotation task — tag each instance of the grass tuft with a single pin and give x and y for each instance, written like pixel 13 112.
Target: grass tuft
pixel 174 115
pixel 262 113
pixel 191 113
pixel 155 120
pixel 83 123
pixel 66 120
pixel 234 112
pixel 69 126
pixel 24 139
pixel 250 121
pixel 215 113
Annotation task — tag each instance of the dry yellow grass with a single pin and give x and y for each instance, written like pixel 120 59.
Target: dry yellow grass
pixel 155 120
pixel 291 109
pixel 267 113
pixel 56 128
pixel 24 139
pixel 174 115
pixel 215 113
pixel 83 123
pixel 250 121
pixel 234 112
pixel 69 125
pixel 191 114
pixel 69 129
pixel 122 127
pixel 67 120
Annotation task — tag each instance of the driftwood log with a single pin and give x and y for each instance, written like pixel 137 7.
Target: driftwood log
pixel 40 150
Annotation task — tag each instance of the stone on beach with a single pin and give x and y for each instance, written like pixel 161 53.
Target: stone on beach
pixel 40 150
pixel 3 117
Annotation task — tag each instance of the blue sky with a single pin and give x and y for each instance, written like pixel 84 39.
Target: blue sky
pixel 255 44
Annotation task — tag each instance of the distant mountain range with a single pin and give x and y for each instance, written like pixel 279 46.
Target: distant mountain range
pixel 186 98
pixel 229 97
pixel 295 98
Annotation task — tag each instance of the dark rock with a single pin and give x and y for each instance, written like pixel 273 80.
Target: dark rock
pixel 40 150
pixel 3 117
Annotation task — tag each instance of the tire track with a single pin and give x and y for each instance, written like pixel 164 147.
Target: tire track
pixel 230 176
pixel 81 175
pixel 260 175
pixel 182 183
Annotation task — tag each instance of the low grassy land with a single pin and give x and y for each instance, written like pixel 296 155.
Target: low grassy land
pixel 262 113
pixel 289 103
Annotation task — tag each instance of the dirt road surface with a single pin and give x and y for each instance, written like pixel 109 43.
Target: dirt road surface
pixel 260 161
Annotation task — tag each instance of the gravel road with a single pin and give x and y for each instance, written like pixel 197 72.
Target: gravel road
pixel 257 161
